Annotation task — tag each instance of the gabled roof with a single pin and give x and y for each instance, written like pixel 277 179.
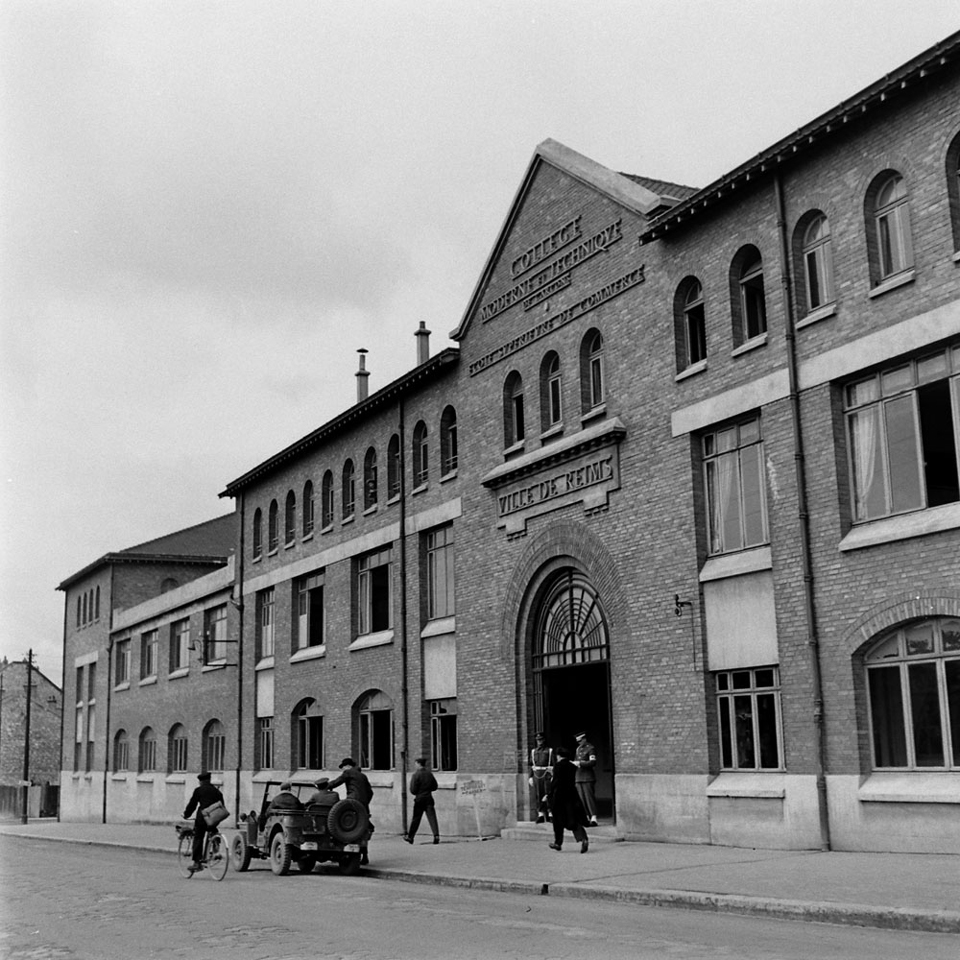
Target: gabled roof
pixel 633 193
pixel 210 542
pixel 881 95
pixel 426 372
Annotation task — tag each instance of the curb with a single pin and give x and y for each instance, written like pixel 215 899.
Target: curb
pixel 859 915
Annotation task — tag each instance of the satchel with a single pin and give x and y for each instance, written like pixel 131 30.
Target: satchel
pixel 215 813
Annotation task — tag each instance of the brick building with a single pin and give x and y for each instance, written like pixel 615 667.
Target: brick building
pixel 688 482
pixel 44 758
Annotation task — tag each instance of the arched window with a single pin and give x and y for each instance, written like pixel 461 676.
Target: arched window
pixel 79 609
pixel 147 761
pixel 421 462
pixel 257 534
pixel 326 500
pixel 96 605
pixel 214 746
pixel 953 188
pixel 177 749
pixel 290 518
pixel 888 207
pixel 168 584
pixel 306 736
pixel 749 301
pixel 86 616
pixel 370 479
pixel 689 324
pixel 913 689
pixel 448 441
pixel 273 524
pixel 121 752
pixel 393 467
pixel 308 508
pixel 592 387
pixel 513 427
pixel 348 493
pixel 551 392
pixel 374 712
pixel 818 263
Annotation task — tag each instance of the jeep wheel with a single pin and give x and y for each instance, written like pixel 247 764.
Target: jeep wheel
pixel 240 852
pixel 280 855
pixel 350 864
pixel 307 862
pixel 348 821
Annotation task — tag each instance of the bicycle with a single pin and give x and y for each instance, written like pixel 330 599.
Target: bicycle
pixel 216 852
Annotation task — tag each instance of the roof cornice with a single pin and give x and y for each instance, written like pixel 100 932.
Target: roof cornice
pixel 431 369
pixel 878 96
pixel 120 558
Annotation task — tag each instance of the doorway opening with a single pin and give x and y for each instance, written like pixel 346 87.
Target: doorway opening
pixel 571 674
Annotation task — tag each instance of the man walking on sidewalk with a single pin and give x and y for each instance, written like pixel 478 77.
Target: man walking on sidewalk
pixel 422 785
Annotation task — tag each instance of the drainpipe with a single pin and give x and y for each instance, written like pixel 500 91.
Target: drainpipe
pixel 239 604
pixel 810 617
pixel 404 653
pixel 63 687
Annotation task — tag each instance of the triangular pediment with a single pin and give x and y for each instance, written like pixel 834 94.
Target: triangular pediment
pixel 555 231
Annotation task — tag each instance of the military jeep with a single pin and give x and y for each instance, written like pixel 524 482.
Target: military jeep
pixel 312 834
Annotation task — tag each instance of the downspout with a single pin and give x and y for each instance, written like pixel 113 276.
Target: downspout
pixel 63 713
pixel 239 604
pixel 810 617
pixel 404 654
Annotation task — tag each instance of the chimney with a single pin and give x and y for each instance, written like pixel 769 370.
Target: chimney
pixel 362 377
pixel 423 343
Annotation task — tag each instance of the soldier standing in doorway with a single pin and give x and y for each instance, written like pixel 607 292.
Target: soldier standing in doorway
pixel 541 773
pixel 586 761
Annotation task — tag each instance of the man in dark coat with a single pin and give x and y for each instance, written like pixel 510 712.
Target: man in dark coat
pixel 565 802
pixel 358 788
pixel 201 798
pixel 422 785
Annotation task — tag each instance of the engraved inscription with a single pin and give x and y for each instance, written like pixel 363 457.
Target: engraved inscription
pixel 577 478
pixel 546 247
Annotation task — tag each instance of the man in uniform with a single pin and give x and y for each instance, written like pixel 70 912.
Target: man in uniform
pixel 541 772
pixel 585 760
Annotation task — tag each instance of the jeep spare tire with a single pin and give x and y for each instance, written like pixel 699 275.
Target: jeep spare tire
pixel 348 821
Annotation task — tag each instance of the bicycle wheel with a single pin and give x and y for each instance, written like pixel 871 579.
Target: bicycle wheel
pixel 185 854
pixel 218 857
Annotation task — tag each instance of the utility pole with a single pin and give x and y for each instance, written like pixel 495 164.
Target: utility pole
pixel 26 739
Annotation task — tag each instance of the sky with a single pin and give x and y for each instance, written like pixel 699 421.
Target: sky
pixel 207 207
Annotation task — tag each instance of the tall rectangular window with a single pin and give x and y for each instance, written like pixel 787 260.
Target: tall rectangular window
pixel 265 743
pixel 215 634
pixel 375 592
pixel 440 574
pixel 180 645
pixel 748 703
pixel 736 487
pixel 122 665
pixel 265 622
pixel 902 429
pixel 309 622
pixel 443 734
pixel 148 655
pixel 310 740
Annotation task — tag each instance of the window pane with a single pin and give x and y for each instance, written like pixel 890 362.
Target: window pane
pixel 952 671
pixel 743 711
pixel 925 710
pixel 886 712
pixel 919 639
pixel 726 737
pixel 903 454
pixel 753 514
pixel 767 728
pixel 950 635
pixel 869 488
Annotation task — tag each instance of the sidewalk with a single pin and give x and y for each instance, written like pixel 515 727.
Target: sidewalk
pixel 895 890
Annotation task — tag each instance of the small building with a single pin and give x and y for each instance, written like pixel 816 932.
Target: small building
pixel 43 766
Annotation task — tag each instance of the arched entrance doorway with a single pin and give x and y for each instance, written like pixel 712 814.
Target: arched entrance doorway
pixel 571 673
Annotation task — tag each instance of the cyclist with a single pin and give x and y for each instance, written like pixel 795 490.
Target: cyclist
pixel 205 794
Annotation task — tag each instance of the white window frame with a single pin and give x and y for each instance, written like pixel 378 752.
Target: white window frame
pixel 738 728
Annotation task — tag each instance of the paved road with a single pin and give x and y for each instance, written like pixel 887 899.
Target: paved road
pixel 65 902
